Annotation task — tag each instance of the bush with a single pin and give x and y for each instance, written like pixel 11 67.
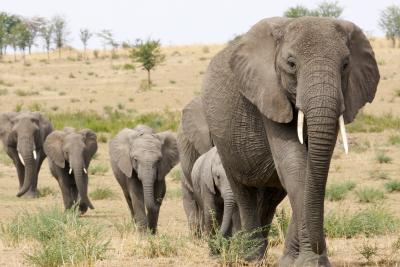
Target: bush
pixel 369 222
pixel 393 185
pixel 394 140
pixel 60 238
pixel 383 158
pixel 20 92
pixel 46 191
pixel 369 195
pixel 101 193
pixel 336 192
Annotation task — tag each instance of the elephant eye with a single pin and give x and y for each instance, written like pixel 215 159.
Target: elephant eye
pixel 291 64
pixel 345 64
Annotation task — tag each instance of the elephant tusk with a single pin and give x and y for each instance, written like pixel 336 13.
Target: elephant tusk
pixel 300 123
pixel 21 159
pixel 343 133
pixel 84 170
pixel 34 154
pixel 70 171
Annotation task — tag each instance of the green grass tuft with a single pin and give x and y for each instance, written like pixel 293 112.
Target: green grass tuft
pixel 60 238
pixel 98 169
pixel 102 193
pixel 381 157
pixel 336 192
pixel 365 123
pixel 369 222
pixel 392 186
pixel 46 191
pixel 369 195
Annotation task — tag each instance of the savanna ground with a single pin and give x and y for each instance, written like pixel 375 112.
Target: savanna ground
pixel 104 93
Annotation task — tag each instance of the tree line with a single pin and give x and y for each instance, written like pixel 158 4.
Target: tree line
pixel 389 19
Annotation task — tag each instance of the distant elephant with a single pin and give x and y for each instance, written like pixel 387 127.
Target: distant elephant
pixel 23 135
pixel 320 70
pixel 69 153
pixel 140 160
pixel 213 194
pixel 193 140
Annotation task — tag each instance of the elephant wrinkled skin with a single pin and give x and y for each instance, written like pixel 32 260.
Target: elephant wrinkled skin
pixel 319 70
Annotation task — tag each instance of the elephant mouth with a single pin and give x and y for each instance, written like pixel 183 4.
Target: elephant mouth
pixel 300 127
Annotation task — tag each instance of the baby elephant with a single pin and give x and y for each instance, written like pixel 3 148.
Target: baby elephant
pixel 140 160
pixel 69 153
pixel 213 194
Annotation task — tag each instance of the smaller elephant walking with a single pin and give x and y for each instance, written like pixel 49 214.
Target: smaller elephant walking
pixel 70 152
pixel 214 195
pixel 23 135
pixel 140 160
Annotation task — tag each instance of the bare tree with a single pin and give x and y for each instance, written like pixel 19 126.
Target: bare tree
pixel 108 39
pixel 60 32
pixel 34 25
pixel 85 35
pixel 47 32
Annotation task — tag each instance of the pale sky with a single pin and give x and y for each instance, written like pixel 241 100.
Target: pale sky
pixel 180 21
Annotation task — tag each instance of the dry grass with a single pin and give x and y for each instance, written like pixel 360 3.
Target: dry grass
pixel 102 86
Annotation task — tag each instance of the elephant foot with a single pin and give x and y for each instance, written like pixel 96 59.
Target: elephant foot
pixel 30 194
pixel 312 260
pixel 286 260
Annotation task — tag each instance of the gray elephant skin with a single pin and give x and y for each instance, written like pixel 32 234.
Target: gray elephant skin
pixel 274 102
pixel 23 135
pixel 214 195
pixel 193 140
pixel 140 160
pixel 69 154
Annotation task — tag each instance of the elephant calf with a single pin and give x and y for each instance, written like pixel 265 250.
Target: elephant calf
pixel 213 194
pixel 140 160
pixel 23 135
pixel 70 152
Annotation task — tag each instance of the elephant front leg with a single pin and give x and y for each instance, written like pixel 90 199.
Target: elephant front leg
pixel 135 190
pixel 209 214
pixel 191 211
pixel 12 153
pixel 152 215
pixel 65 186
pixel 40 159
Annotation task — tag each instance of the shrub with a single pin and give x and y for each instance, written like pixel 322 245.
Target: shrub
pixel 394 140
pixel 20 92
pixel 368 251
pixel 393 185
pixel 369 195
pixel 369 222
pixel 102 193
pixel 128 66
pixel 98 169
pixel 336 192
pixel 61 238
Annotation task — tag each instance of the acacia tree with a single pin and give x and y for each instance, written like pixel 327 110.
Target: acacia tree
pixel 85 35
pixel 296 12
pixel 324 9
pixel 34 25
pixel 47 32
pixel 148 54
pixel 23 37
pixel 389 22
pixel 60 32
pixel 108 39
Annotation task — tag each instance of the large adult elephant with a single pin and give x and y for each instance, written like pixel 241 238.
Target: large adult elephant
pixel 140 160
pixel 23 135
pixel 69 154
pixel 193 140
pixel 321 71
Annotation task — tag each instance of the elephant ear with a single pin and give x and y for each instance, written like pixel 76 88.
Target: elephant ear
pixel 90 139
pixel 119 149
pixel 253 63
pixel 195 127
pixel 44 124
pixel 53 148
pixel 207 175
pixel 169 151
pixel 364 74
pixel 6 125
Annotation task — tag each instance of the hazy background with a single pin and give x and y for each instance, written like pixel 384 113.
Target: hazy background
pixel 180 21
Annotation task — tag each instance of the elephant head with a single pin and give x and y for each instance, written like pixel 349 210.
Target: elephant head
pixel 321 69
pixel 149 156
pixel 212 173
pixel 72 151
pixel 25 132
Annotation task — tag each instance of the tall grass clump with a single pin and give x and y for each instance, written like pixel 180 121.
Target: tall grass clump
pixel 98 169
pixel 369 222
pixel 279 226
pixel 392 186
pixel 102 193
pixel 58 237
pixel 336 192
pixel 381 157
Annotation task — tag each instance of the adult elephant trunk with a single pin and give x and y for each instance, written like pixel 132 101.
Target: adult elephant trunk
pixel 81 180
pixel 322 108
pixel 229 206
pixel 27 156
